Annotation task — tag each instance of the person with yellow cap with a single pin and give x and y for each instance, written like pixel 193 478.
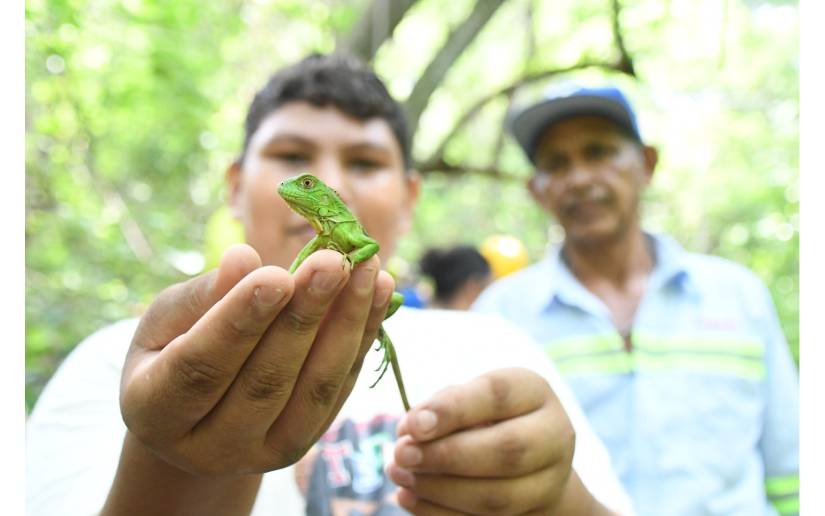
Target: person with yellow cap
pixel 505 254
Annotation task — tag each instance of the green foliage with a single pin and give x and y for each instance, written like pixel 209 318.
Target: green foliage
pixel 134 109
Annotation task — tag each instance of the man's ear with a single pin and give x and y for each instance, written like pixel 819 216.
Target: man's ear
pixel 233 189
pixel 651 157
pixel 412 185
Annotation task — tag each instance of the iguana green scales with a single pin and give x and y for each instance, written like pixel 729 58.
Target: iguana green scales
pixel 337 228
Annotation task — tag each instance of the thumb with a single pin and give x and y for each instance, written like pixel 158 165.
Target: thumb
pixel 178 307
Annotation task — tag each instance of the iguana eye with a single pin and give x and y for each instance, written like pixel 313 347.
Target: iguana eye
pixel 307 183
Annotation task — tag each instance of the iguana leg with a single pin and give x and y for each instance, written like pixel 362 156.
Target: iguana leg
pixel 390 358
pixel 313 245
pixel 396 301
pixel 363 253
pixel 346 259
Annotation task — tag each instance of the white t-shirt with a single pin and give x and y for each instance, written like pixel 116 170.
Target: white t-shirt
pixel 75 432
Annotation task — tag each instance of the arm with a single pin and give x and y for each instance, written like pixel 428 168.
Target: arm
pixel 779 444
pixel 500 444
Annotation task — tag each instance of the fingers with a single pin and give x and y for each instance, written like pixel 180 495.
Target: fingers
pixel 513 447
pixel 438 494
pixel 495 396
pixel 177 308
pixel 411 503
pixel 384 287
pixel 330 367
pixel 500 444
pixel 190 375
pixel 265 384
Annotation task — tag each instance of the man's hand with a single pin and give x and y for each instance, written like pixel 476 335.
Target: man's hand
pixel 500 444
pixel 241 370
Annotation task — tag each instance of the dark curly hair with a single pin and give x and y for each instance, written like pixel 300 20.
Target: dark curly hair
pixel 338 80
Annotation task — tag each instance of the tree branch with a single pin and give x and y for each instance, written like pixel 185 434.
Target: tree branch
pixel 502 132
pixel 469 114
pixel 457 170
pixel 625 61
pixel 374 27
pixel 457 41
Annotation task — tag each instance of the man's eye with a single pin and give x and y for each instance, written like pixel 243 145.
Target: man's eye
pixel 290 157
pixel 552 166
pixel 596 151
pixel 364 164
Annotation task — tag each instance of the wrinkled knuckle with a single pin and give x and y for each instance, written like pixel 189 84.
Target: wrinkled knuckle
pixel 300 323
pixel 495 502
pixel 352 316
pixel 324 392
pixel 192 301
pixel 442 455
pixel 243 329
pixel 199 376
pixel 499 389
pixel 264 385
pixel 512 451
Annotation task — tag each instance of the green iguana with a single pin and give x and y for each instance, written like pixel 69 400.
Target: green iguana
pixel 338 229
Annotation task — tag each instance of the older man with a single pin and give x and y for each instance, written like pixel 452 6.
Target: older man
pixel 676 357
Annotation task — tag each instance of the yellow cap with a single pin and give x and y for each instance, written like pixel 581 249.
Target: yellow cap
pixel 505 254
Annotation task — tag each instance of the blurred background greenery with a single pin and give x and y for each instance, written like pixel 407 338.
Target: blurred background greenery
pixel 135 107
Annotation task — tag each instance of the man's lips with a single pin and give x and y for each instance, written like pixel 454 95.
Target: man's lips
pixel 584 208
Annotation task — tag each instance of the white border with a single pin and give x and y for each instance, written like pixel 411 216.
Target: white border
pixel 812 257
pixel 12 203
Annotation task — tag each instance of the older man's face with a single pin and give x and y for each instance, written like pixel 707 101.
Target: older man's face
pixel 590 176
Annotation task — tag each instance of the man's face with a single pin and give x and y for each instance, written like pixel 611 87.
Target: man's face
pixel 590 176
pixel 361 160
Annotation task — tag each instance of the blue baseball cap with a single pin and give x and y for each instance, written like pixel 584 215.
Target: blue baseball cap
pixel 561 102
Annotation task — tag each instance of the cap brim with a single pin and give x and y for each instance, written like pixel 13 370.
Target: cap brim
pixel 528 125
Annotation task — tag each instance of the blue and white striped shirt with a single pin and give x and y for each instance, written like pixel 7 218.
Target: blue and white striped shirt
pixel 701 416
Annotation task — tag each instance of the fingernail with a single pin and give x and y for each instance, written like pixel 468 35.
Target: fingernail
pixel 425 421
pixel 324 282
pixel 363 279
pixel 409 455
pixel 402 477
pixel 381 297
pixel 267 296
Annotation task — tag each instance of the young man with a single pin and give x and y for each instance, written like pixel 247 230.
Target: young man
pixel 240 390
pixel 677 358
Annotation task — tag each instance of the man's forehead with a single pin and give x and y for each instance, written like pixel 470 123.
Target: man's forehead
pixel 306 122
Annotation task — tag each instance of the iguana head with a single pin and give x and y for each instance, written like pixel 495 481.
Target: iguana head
pixel 311 198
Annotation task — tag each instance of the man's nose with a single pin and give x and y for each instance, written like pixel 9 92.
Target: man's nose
pixel 580 173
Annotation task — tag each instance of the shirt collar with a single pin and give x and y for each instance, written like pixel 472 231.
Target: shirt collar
pixel 672 267
pixel 556 283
